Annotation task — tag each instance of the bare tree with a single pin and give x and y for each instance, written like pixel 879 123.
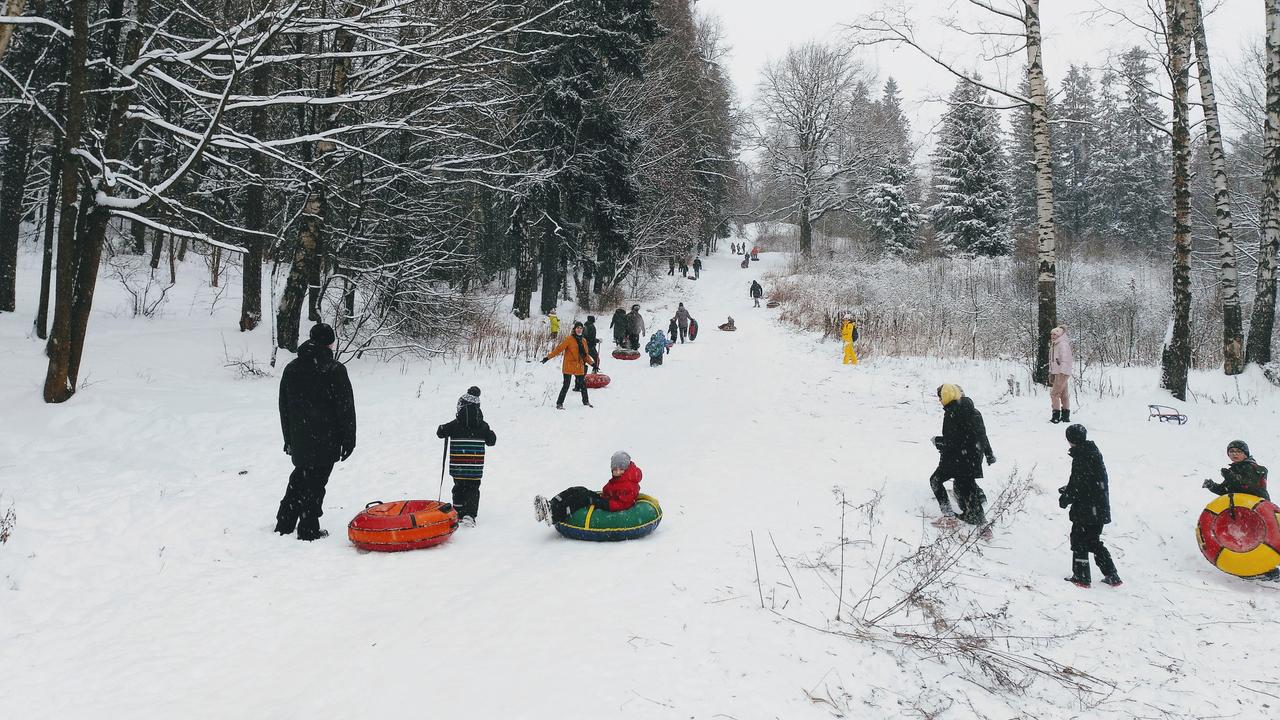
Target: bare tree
pixel 896 29
pixel 1176 358
pixel 1262 324
pixel 806 111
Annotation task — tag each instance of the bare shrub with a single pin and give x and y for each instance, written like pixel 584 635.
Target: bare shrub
pixel 245 367
pixel 147 293
pixel 7 522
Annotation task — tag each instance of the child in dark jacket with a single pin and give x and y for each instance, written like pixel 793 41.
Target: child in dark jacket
pixel 1088 495
pixel 619 494
pixel 961 449
pixel 1244 475
pixel 468 434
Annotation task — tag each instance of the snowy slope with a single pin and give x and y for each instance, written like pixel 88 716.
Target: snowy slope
pixel 143 579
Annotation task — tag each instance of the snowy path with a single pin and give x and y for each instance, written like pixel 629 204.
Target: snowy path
pixel 143 579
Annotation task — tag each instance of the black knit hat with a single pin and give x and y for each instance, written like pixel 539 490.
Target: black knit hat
pixel 473 390
pixel 1241 446
pixel 322 334
pixel 1076 434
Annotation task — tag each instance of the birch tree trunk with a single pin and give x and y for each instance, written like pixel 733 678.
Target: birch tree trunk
pixel 1046 233
pixel 1228 277
pixel 306 255
pixel 50 211
pixel 1262 323
pixel 1176 359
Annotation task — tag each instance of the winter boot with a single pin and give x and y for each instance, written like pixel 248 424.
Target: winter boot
pixel 1057 417
pixel 1079 572
pixel 316 535
pixel 559 406
pixel 1113 580
pixel 1066 415
pixel 467 521
pixel 542 510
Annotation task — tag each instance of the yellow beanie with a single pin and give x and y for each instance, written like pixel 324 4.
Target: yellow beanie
pixel 949 393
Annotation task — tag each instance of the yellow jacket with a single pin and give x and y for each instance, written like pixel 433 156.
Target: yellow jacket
pixel 846 331
pixel 555 324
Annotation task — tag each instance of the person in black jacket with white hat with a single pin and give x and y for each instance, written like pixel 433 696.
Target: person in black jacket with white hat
pixel 318 418
pixel 1088 496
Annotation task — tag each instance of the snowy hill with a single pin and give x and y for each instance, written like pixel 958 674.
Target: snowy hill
pixel 143 580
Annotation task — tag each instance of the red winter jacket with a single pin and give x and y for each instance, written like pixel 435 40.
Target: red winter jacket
pixel 621 492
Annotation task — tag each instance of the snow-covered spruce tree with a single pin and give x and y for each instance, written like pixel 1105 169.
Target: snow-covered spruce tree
pixel 1075 139
pixel 971 199
pixel 1129 172
pixel 893 219
pixel 578 155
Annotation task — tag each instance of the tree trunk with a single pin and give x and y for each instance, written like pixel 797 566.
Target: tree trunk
pixel 1046 234
pixel 552 253
pixel 58 386
pixel 46 264
pixel 139 230
pixel 1262 323
pixel 526 263
pixel 806 227
pixel 17 160
pixel 1176 360
pixel 255 215
pixel 12 8
pixel 1232 331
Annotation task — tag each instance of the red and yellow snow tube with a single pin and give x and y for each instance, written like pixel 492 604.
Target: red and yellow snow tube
pixel 1240 534
pixel 596 380
pixel 402 525
pixel 626 354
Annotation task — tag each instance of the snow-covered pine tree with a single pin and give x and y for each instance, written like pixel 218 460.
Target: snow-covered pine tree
pixel 891 216
pixel 1075 140
pixel 971 200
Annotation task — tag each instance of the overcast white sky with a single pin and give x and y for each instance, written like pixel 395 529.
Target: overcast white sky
pixel 759 30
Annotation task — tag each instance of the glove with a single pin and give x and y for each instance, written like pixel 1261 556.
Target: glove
pixel 1063 501
pixel 938 442
pixel 1207 484
pixel 286 452
pixel 544 360
pixel 344 452
pixel 991 459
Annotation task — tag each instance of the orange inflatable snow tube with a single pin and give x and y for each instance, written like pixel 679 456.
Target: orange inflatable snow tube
pixel 402 525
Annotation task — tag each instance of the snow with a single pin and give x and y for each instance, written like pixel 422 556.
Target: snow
pixel 143 580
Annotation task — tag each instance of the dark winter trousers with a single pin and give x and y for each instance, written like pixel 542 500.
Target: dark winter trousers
pixel 595 356
pixel 466 497
pixel 1085 539
pixel 633 340
pixel 571 500
pixel 655 360
pixel 968 495
pixel 684 332
pixel 301 505
pixel 578 385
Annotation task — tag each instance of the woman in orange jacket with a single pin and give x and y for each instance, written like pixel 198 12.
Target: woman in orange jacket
pixel 574 366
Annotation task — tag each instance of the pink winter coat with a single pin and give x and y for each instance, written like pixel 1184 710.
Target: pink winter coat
pixel 1061 361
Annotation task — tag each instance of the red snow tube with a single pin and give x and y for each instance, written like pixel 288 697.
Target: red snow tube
pixel 693 329
pixel 596 380
pixel 1240 534
pixel 402 525
pixel 625 354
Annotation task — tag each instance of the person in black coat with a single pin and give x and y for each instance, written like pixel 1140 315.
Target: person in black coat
pixel 318 417
pixel 593 342
pixel 1088 495
pixel 757 292
pixel 469 434
pixel 619 326
pixel 1244 475
pixel 962 446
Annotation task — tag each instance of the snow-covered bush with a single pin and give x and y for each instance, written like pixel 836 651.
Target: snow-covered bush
pixel 1117 311
pixel 7 521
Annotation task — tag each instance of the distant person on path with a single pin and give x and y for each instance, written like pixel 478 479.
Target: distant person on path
pixel 554 320
pixel 468 434
pixel 849 334
pixel 593 342
pixel 635 327
pixel 682 320
pixel 657 347
pixel 672 328
pixel 684 267
pixel 620 493
pixel 961 446
pixel 757 292
pixel 671 265
pixel 728 325
pixel 318 417
pixel 1243 475
pixel 1088 496
pixel 573 367
pixel 619 326
pixel 697 268
pixel 1061 364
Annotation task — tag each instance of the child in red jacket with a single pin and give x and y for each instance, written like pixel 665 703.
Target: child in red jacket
pixel 618 494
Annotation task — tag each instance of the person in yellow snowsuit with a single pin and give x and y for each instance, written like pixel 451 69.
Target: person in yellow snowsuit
pixel 555 323
pixel 849 333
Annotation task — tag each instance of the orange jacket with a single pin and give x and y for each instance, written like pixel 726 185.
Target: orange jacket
pixel 573 364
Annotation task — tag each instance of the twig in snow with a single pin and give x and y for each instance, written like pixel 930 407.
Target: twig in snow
pixel 757 562
pixel 794 586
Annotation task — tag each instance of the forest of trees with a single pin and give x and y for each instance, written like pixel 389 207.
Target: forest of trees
pixel 387 157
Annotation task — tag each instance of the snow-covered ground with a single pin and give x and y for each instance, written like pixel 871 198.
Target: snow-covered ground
pixel 143 580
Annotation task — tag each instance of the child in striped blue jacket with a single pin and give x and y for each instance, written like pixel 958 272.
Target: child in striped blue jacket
pixel 468 434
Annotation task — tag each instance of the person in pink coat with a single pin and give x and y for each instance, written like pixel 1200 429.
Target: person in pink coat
pixel 1061 363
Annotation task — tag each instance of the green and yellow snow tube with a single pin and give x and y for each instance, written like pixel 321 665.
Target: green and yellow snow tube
pixel 592 523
